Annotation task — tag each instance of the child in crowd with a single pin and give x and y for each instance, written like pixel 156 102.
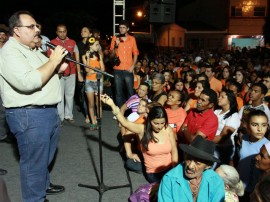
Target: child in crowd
pixel 250 144
pixel 257 93
pixel 133 161
pixel 133 102
pixel 93 59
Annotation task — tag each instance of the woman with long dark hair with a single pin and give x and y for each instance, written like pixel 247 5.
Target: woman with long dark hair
pixel 226 74
pixel 228 123
pixel 157 139
pixel 190 79
pixel 241 77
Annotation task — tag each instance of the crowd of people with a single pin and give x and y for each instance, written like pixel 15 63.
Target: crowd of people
pixel 217 108
pixel 194 123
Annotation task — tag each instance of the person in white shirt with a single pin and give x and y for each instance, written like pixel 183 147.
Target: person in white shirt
pixel 228 123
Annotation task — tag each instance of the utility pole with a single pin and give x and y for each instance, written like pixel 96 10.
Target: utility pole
pixel 118 13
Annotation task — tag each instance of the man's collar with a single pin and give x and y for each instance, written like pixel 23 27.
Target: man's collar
pixel 203 113
pixel 57 38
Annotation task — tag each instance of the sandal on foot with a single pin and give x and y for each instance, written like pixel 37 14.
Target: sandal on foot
pixel 93 127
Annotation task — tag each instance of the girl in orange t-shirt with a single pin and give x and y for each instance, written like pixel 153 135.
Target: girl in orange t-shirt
pixel 93 59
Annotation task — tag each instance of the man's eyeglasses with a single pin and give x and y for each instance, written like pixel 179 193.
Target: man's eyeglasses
pixel 30 26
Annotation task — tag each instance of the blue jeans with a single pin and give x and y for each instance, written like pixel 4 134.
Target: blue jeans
pixel 36 131
pixel 156 177
pixel 123 79
pixel 3 123
pixel 134 165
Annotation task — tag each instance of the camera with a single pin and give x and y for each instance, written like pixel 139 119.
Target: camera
pixel 120 35
pixel 116 61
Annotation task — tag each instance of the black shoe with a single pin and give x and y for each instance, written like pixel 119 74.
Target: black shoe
pixel 46 200
pixel 3 172
pixel 55 189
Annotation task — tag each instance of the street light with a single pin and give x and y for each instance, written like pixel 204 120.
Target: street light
pixel 139 13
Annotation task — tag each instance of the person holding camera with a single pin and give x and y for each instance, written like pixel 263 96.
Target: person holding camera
pixel 125 53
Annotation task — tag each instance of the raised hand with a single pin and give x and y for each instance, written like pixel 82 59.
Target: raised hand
pixel 107 100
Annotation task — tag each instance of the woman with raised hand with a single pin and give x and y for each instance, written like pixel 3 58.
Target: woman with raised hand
pixel 157 140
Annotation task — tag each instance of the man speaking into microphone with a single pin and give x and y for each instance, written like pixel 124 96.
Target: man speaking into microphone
pixel 30 90
pixel 124 48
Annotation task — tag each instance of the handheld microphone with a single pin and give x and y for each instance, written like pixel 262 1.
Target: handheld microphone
pixel 52 46
pixel 69 58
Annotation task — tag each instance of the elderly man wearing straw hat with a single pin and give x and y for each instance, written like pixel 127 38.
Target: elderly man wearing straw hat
pixel 193 180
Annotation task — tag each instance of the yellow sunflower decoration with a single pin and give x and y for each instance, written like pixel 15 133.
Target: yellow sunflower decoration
pixel 92 40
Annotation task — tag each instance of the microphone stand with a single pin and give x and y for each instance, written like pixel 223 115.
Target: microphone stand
pixel 101 187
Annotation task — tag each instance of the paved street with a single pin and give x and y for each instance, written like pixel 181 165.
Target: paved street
pixel 77 161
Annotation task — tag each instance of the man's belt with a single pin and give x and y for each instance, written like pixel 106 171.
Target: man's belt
pixel 33 107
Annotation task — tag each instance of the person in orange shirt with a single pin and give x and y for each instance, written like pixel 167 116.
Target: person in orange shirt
pixel 93 59
pixel 123 47
pixel 176 114
pixel 157 140
pixel 241 77
pixel 215 84
pixel 236 87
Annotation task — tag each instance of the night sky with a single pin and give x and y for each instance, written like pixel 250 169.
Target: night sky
pixel 94 13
